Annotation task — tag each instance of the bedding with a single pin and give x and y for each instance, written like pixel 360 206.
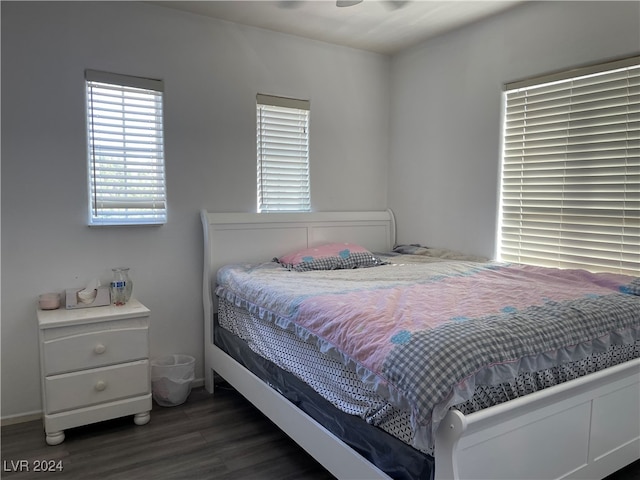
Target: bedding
pixel 422 336
pixel 340 385
pixel 393 456
pixel 330 256
pixel 333 380
pixel 425 253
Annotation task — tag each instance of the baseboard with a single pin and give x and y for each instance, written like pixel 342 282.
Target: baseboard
pixel 37 415
pixel 21 418
pixel 198 382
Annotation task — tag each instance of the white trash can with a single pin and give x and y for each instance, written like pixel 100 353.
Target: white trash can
pixel 171 378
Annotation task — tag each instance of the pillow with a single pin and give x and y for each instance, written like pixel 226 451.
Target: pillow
pixel 331 256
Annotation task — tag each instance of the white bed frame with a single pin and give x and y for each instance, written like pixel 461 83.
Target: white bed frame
pixel 584 428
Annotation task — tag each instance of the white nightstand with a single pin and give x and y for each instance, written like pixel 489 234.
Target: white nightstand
pixel 94 364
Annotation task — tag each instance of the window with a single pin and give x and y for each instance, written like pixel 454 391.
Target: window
pixel 283 154
pixel 125 150
pixel 571 170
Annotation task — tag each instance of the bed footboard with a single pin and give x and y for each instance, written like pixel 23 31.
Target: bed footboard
pixel 586 428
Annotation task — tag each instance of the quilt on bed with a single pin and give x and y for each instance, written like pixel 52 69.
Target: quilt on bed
pixel 424 335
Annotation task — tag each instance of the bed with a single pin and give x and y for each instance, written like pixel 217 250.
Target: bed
pixel 593 419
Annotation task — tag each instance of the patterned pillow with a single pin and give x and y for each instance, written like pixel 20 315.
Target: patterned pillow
pixel 331 256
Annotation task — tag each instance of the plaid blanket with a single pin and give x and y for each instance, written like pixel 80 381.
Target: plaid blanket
pixel 423 335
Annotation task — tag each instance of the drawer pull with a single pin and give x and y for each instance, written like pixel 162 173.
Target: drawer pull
pixel 101 385
pixel 100 348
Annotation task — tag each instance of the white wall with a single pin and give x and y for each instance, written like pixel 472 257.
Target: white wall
pixel 212 72
pixel 443 96
pixel 446 110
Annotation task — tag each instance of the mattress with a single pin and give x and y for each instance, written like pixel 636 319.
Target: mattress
pixel 268 322
pixel 394 457
pixel 337 383
pixel 341 386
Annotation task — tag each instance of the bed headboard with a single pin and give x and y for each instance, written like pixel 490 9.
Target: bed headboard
pixel 258 237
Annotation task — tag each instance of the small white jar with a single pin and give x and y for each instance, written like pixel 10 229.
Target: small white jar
pixel 49 301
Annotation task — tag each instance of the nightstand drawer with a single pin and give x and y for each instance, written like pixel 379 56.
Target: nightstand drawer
pixel 90 387
pixel 95 349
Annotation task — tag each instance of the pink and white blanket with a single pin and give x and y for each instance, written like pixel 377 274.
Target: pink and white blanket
pixel 423 335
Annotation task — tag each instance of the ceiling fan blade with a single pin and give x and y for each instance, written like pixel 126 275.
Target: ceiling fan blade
pixel 396 4
pixel 347 3
pixel 290 4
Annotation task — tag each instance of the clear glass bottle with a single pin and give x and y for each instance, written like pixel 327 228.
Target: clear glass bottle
pixel 121 286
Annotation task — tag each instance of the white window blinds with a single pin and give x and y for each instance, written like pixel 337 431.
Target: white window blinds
pixel 571 171
pixel 283 154
pixel 125 150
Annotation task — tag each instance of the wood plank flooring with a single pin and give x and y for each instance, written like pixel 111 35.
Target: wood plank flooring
pixel 208 437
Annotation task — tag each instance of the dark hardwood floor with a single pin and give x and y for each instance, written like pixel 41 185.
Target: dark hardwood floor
pixel 208 437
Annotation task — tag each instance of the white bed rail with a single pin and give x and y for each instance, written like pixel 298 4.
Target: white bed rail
pixel 586 428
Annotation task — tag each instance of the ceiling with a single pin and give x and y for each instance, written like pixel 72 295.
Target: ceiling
pixel 382 26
